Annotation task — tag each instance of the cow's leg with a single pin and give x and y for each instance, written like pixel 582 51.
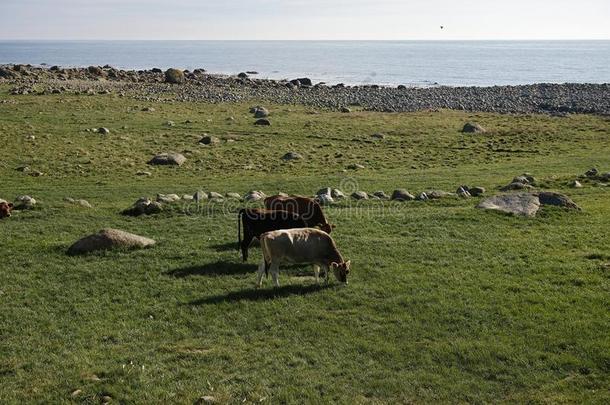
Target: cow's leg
pixel 245 243
pixel 316 272
pixel 260 274
pixel 326 271
pixel 275 271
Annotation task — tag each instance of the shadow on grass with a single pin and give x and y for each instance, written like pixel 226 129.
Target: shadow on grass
pixel 254 294
pixel 214 269
pixel 225 247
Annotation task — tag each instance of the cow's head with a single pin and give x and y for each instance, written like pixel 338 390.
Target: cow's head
pixel 341 270
pixel 5 210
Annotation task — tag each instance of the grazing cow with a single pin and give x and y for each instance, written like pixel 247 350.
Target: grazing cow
pixel 5 209
pixel 306 207
pixel 257 221
pixel 301 246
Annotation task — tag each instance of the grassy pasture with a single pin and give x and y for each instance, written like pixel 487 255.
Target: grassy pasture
pixel 445 304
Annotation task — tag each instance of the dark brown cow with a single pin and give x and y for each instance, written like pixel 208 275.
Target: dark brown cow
pixel 306 207
pixel 5 209
pixel 257 221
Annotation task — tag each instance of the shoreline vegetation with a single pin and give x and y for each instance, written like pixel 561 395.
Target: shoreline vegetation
pixel 199 85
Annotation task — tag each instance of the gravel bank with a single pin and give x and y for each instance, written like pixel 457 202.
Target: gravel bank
pixel 198 85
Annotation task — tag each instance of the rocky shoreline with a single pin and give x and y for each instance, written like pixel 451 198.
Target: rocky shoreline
pixel 198 85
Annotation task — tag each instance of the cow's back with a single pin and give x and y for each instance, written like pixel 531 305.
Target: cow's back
pixel 300 245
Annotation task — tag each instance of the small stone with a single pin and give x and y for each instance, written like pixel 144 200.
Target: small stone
pixel 209 140
pixel 169 123
pixel 234 196
pixel 422 197
pixel 76 393
pixel 174 76
pixel 476 191
pixel 143 173
pixel 187 197
pixel 24 202
pixel 402 195
pixel 593 172
pixel 103 131
pixel 576 184
pixel 378 136
pixel 213 194
pixel 355 166
pixel 381 195
pixel 200 196
pixel 254 195
pixel 345 110
pixel 261 112
pixel 292 156
pixel 262 121
pixel 148 109
pixel 473 128
pixel 360 195
pixel 337 194
pixel 206 399
pixel 108 239
pixel 168 159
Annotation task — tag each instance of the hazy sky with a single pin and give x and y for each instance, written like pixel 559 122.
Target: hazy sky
pixel 304 19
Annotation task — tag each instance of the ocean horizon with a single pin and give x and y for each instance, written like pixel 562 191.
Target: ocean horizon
pixel 413 63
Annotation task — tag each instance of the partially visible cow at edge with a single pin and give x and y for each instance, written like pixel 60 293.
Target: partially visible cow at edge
pixel 306 207
pixel 301 246
pixel 257 221
pixel 5 209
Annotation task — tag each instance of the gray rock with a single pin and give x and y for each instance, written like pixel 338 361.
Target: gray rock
pixel 476 191
pixel 168 159
pixel 463 192
pixel 262 121
pixel 292 156
pixel 381 195
pixel 422 196
pixel 360 195
pixel 402 195
pixel 325 191
pixel 209 140
pixel 575 184
pixel 24 202
pixel 516 204
pixel 254 195
pixel 593 172
pixel 378 136
pixel 174 76
pixel 355 166
pixel 337 194
pixel 200 196
pixel 556 199
pixel 517 186
pixel 187 197
pixel 324 199
pixel 438 194
pixel 234 196
pixel 345 110
pixel 108 239
pixel 167 198
pixel 261 112
pixel 79 202
pixel 103 131
pixel 473 128
pixel 143 173
pixel 213 194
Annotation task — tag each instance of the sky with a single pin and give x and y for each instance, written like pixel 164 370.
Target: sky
pixel 305 19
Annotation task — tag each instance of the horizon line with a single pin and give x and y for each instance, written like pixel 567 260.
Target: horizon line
pixel 308 40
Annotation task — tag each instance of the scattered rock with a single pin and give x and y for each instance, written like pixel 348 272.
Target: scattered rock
pixel 402 195
pixel 168 159
pixel 262 121
pixel 24 202
pixel 422 196
pixel 438 194
pixel 200 196
pixel 516 204
pixel 476 191
pixel 292 156
pixel 174 76
pixel 234 196
pixel 337 194
pixel 516 186
pixel 206 399
pixel 324 199
pixel 593 172
pixel 143 173
pixel 556 199
pixel 170 123
pixel 381 195
pixel 187 197
pixel 79 202
pixel 254 195
pixel 345 110
pixel 242 75
pixel 103 131
pixel 378 136
pixel 143 206
pixel 470 128
pixel 463 192
pixel 215 195
pixel 209 140
pixel 360 195
pixel 355 166
pixel 148 109
pixel 167 198
pixel 108 239
pixel 260 112
pixel 575 184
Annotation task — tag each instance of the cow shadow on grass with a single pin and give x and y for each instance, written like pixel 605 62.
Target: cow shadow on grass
pixel 214 269
pixel 262 294
pixel 225 247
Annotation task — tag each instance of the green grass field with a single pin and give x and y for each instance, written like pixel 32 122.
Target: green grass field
pixel 446 303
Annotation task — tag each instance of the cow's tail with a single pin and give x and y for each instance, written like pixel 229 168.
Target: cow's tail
pixel 239 219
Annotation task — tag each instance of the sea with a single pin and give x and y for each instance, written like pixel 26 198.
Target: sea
pixel 411 63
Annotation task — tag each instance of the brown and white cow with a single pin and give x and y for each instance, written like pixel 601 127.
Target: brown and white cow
pixel 301 246
pixel 257 221
pixel 5 209
pixel 306 207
